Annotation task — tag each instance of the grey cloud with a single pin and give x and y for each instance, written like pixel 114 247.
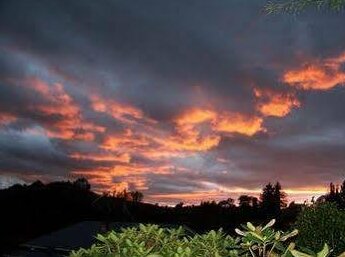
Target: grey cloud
pixel 30 152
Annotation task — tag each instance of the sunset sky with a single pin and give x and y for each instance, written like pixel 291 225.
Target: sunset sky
pixel 184 100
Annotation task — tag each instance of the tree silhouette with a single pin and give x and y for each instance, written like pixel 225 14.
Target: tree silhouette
pixel 279 196
pixel 136 196
pixel 272 199
pixel 228 203
pixel 255 202
pixel 267 198
pixel 179 205
pixel 246 201
pixel 336 194
pixel 123 195
pixel 82 183
pixel 342 194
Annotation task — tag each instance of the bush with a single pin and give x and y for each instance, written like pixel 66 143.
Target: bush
pixel 153 241
pixel 319 224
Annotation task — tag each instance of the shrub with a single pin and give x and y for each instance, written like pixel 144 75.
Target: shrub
pixel 319 224
pixel 153 241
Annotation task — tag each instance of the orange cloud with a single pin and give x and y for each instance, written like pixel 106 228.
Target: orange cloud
pixel 156 143
pixel 124 157
pixel 201 129
pixel 318 75
pixel 130 176
pixel 238 123
pixel 120 111
pixel 195 116
pixel 190 142
pixel 140 169
pixel 275 104
pixel 126 140
pixel 193 131
pixel 162 153
pixel 101 180
pixel 66 119
pixel 153 145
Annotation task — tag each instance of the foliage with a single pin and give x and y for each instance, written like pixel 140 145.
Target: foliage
pixel 214 243
pixel 323 253
pixel 321 223
pixel 295 6
pixel 154 241
pixel 264 241
pixel 245 201
pixel 336 195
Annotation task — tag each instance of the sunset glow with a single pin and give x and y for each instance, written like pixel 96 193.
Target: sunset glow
pixel 181 101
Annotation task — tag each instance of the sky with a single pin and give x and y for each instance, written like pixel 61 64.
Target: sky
pixel 183 100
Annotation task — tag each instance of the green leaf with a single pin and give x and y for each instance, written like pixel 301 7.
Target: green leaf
pixel 269 224
pixel 240 232
pixel 277 236
pixel 257 236
pixel 296 253
pixel 324 252
pixel 250 226
pixel 291 234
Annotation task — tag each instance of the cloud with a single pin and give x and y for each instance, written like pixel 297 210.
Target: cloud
pixel 125 157
pixel 178 99
pixel 237 123
pixel 321 74
pixel 277 104
pixel 7 181
pixel 57 111
pixel 121 112
pixel 32 153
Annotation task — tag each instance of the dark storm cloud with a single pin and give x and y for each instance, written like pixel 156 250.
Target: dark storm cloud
pixel 27 152
pixel 155 60
pixel 164 50
pixel 158 46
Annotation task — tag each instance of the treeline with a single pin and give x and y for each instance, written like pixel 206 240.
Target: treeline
pixel 28 211
pixel 336 195
pixel 272 200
